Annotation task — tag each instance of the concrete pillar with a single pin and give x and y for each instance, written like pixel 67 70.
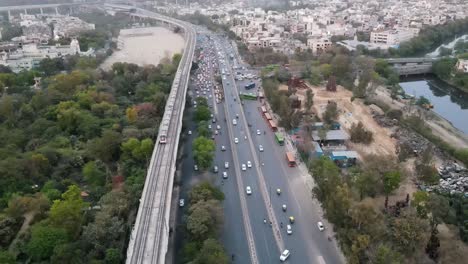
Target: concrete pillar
pixel 56 11
pixel 9 15
pixel 42 10
pixel 25 11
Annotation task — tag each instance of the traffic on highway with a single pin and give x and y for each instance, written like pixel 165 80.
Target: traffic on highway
pixel 269 213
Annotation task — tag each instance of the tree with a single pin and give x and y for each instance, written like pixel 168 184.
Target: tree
pixel 44 239
pixel 203 130
pixel 113 256
pixel 203 149
pixel 331 112
pixel 326 70
pixel 6 257
pixel 443 67
pixel 94 174
pixel 391 181
pixel 384 254
pixel 360 135
pixel 425 168
pixel 366 183
pixel 409 232
pixel 205 191
pixel 132 114
pixel 68 212
pixel 107 147
pixel 212 252
pixel 205 219
pixel 309 99
pixel 202 113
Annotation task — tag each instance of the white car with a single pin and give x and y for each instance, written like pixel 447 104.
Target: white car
pixel 234 122
pixel 216 132
pixel 223 148
pixel 243 167
pixel 289 229
pixel 195 167
pixel 260 148
pixel 215 169
pixel 285 255
pixel 248 190
pixel 209 126
pixel 320 226
pixel 226 165
pixel 236 140
pixel 225 175
pixel 258 132
pixel 181 202
pixel 190 132
pixel 218 127
pixel 249 164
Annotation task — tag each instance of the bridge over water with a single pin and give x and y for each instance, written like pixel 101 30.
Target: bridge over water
pixel 412 66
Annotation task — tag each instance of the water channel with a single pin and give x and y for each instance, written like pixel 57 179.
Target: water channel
pixel 448 101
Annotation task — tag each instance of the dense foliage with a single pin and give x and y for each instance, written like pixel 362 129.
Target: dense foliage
pixel 430 38
pixel 203 223
pixel 73 158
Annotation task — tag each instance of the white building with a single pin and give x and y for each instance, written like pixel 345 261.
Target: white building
pixel 319 45
pixel 391 37
pixel 31 54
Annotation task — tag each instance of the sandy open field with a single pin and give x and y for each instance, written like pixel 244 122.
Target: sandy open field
pixel 351 113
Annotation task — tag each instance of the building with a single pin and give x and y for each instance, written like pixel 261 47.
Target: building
pixel 462 65
pixel 391 37
pixel 30 55
pixel 332 136
pixel 319 45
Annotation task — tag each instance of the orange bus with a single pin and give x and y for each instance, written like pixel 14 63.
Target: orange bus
pixel 263 109
pixel 272 125
pixel 291 160
pixel 268 116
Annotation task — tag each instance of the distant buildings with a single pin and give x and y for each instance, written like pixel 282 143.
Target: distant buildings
pixel 25 52
pixel 30 55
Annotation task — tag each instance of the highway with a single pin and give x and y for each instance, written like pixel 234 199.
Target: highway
pixel 307 244
pixel 149 238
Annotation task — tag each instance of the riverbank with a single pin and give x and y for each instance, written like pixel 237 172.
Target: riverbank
pixel 440 126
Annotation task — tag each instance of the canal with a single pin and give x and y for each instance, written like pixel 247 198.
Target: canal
pixel 448 102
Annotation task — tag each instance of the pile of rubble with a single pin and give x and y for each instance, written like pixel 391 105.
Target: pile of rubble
pixel 385 121
pixel 453 179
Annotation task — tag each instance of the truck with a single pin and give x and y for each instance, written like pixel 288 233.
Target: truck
pixel 250 86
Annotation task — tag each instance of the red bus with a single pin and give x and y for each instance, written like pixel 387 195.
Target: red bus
pixel 272 125
pixel 268 116
pixel 263 109
pixel 291 160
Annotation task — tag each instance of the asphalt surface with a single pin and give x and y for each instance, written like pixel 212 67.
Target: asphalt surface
pixel 307 244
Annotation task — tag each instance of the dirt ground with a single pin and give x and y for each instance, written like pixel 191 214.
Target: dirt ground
pixel 351 113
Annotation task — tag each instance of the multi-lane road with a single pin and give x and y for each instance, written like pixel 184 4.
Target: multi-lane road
pixel 245 233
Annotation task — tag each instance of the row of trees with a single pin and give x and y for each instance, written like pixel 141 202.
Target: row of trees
pixel 203 223
pixel 73 158
pixel 203 147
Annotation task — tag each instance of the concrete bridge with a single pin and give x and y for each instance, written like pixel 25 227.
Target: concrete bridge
pixel 43 7
pixel 412 66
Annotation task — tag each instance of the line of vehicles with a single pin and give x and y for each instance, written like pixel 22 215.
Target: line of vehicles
pixel 279 138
